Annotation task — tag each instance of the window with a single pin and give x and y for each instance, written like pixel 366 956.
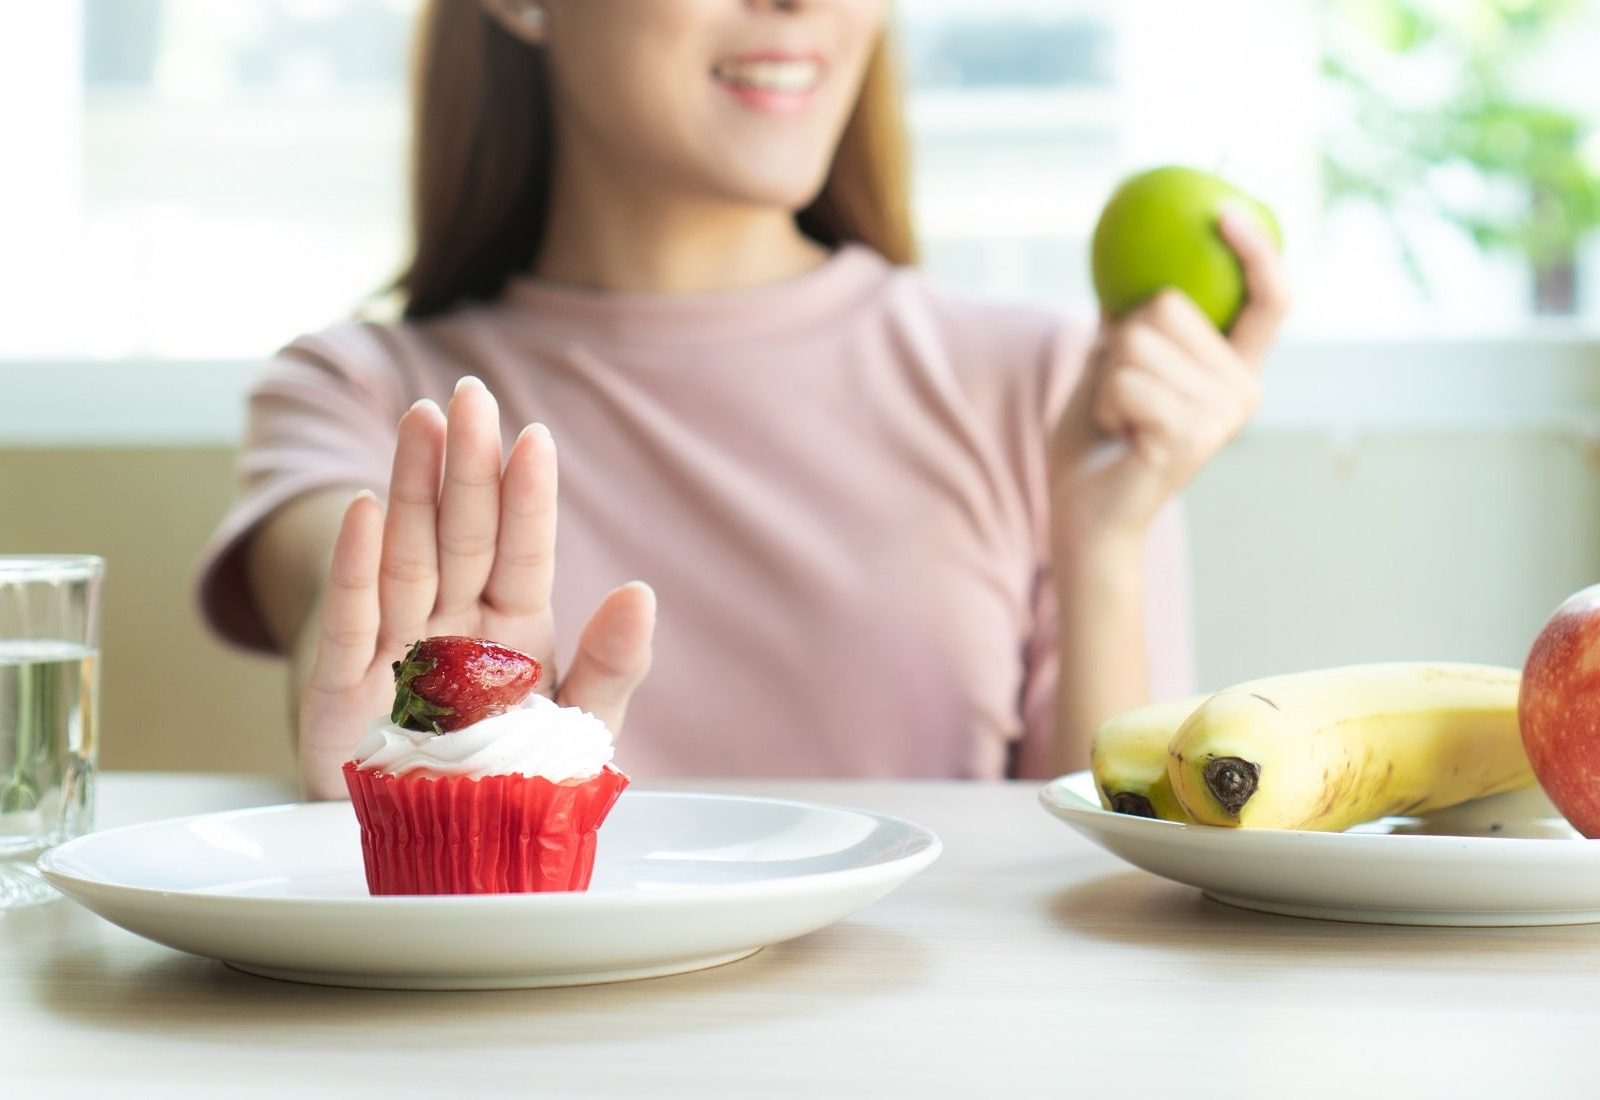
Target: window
pixel 224 175
pixel 205 180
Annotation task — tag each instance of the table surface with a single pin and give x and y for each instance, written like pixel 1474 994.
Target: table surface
pixel 1025 960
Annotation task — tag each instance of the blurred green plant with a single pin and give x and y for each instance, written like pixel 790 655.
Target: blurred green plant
pixel 1434 116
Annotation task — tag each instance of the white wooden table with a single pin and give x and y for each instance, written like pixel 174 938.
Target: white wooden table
pixel 1025 962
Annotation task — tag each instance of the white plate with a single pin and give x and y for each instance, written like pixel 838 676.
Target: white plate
pixel 1506 860
pixel 682 881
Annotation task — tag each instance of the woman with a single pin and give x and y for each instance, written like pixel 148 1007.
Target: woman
pixel 677 238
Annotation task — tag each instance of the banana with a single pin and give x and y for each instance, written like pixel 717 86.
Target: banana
pixel 1128 758
pixel 1331 748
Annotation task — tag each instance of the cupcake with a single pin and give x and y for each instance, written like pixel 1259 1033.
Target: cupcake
pixel 473 784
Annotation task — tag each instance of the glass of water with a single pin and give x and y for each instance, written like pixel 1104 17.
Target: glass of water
pixel 49 711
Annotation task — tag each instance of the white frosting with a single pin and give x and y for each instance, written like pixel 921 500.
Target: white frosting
pixel 536 738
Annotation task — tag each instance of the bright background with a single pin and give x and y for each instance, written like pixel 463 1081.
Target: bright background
pixel 203 179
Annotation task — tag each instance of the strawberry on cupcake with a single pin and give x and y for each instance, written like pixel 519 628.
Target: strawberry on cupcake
pixel 474 784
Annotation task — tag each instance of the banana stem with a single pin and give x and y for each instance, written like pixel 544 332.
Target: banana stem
pixel 1231 781
pixel 1126 802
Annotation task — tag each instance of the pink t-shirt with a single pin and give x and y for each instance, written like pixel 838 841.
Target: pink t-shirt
pixel 836 486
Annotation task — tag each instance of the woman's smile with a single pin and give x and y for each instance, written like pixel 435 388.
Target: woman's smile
pixel 771 81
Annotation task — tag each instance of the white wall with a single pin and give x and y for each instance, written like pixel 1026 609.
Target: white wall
pixel 1401 500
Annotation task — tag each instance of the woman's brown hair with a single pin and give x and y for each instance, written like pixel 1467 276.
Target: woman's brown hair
pixel 481 153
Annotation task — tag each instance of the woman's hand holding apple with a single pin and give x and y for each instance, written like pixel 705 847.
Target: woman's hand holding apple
pixel 1163 391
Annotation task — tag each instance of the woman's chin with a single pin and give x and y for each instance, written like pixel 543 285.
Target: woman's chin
pixel 772 188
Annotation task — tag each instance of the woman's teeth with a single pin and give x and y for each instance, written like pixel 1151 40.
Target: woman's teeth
pixel 771 76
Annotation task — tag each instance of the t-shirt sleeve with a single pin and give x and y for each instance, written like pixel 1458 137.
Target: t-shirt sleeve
pixel 1168 611
pixel 322 413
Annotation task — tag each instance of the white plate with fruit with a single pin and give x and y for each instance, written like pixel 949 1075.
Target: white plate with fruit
pixel 1509 859
pixel 1397 793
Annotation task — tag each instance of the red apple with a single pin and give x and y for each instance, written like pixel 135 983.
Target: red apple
pixel 1558 709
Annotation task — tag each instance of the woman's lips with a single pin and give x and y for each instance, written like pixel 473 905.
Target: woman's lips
pixel 779 85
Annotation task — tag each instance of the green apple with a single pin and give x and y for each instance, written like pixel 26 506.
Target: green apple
pixel 1159 230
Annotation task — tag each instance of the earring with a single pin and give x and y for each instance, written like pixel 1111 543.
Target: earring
pixel 532 15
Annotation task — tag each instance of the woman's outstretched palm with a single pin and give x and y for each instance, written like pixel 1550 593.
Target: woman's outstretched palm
pixel 465 546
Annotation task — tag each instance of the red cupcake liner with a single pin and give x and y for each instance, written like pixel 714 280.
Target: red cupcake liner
pixel 502 834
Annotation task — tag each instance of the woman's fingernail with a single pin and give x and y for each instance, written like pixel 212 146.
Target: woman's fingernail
pixel 534 429
pixel 469 380
pixel 423 403
pixel 1237 217
pixel 641 586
